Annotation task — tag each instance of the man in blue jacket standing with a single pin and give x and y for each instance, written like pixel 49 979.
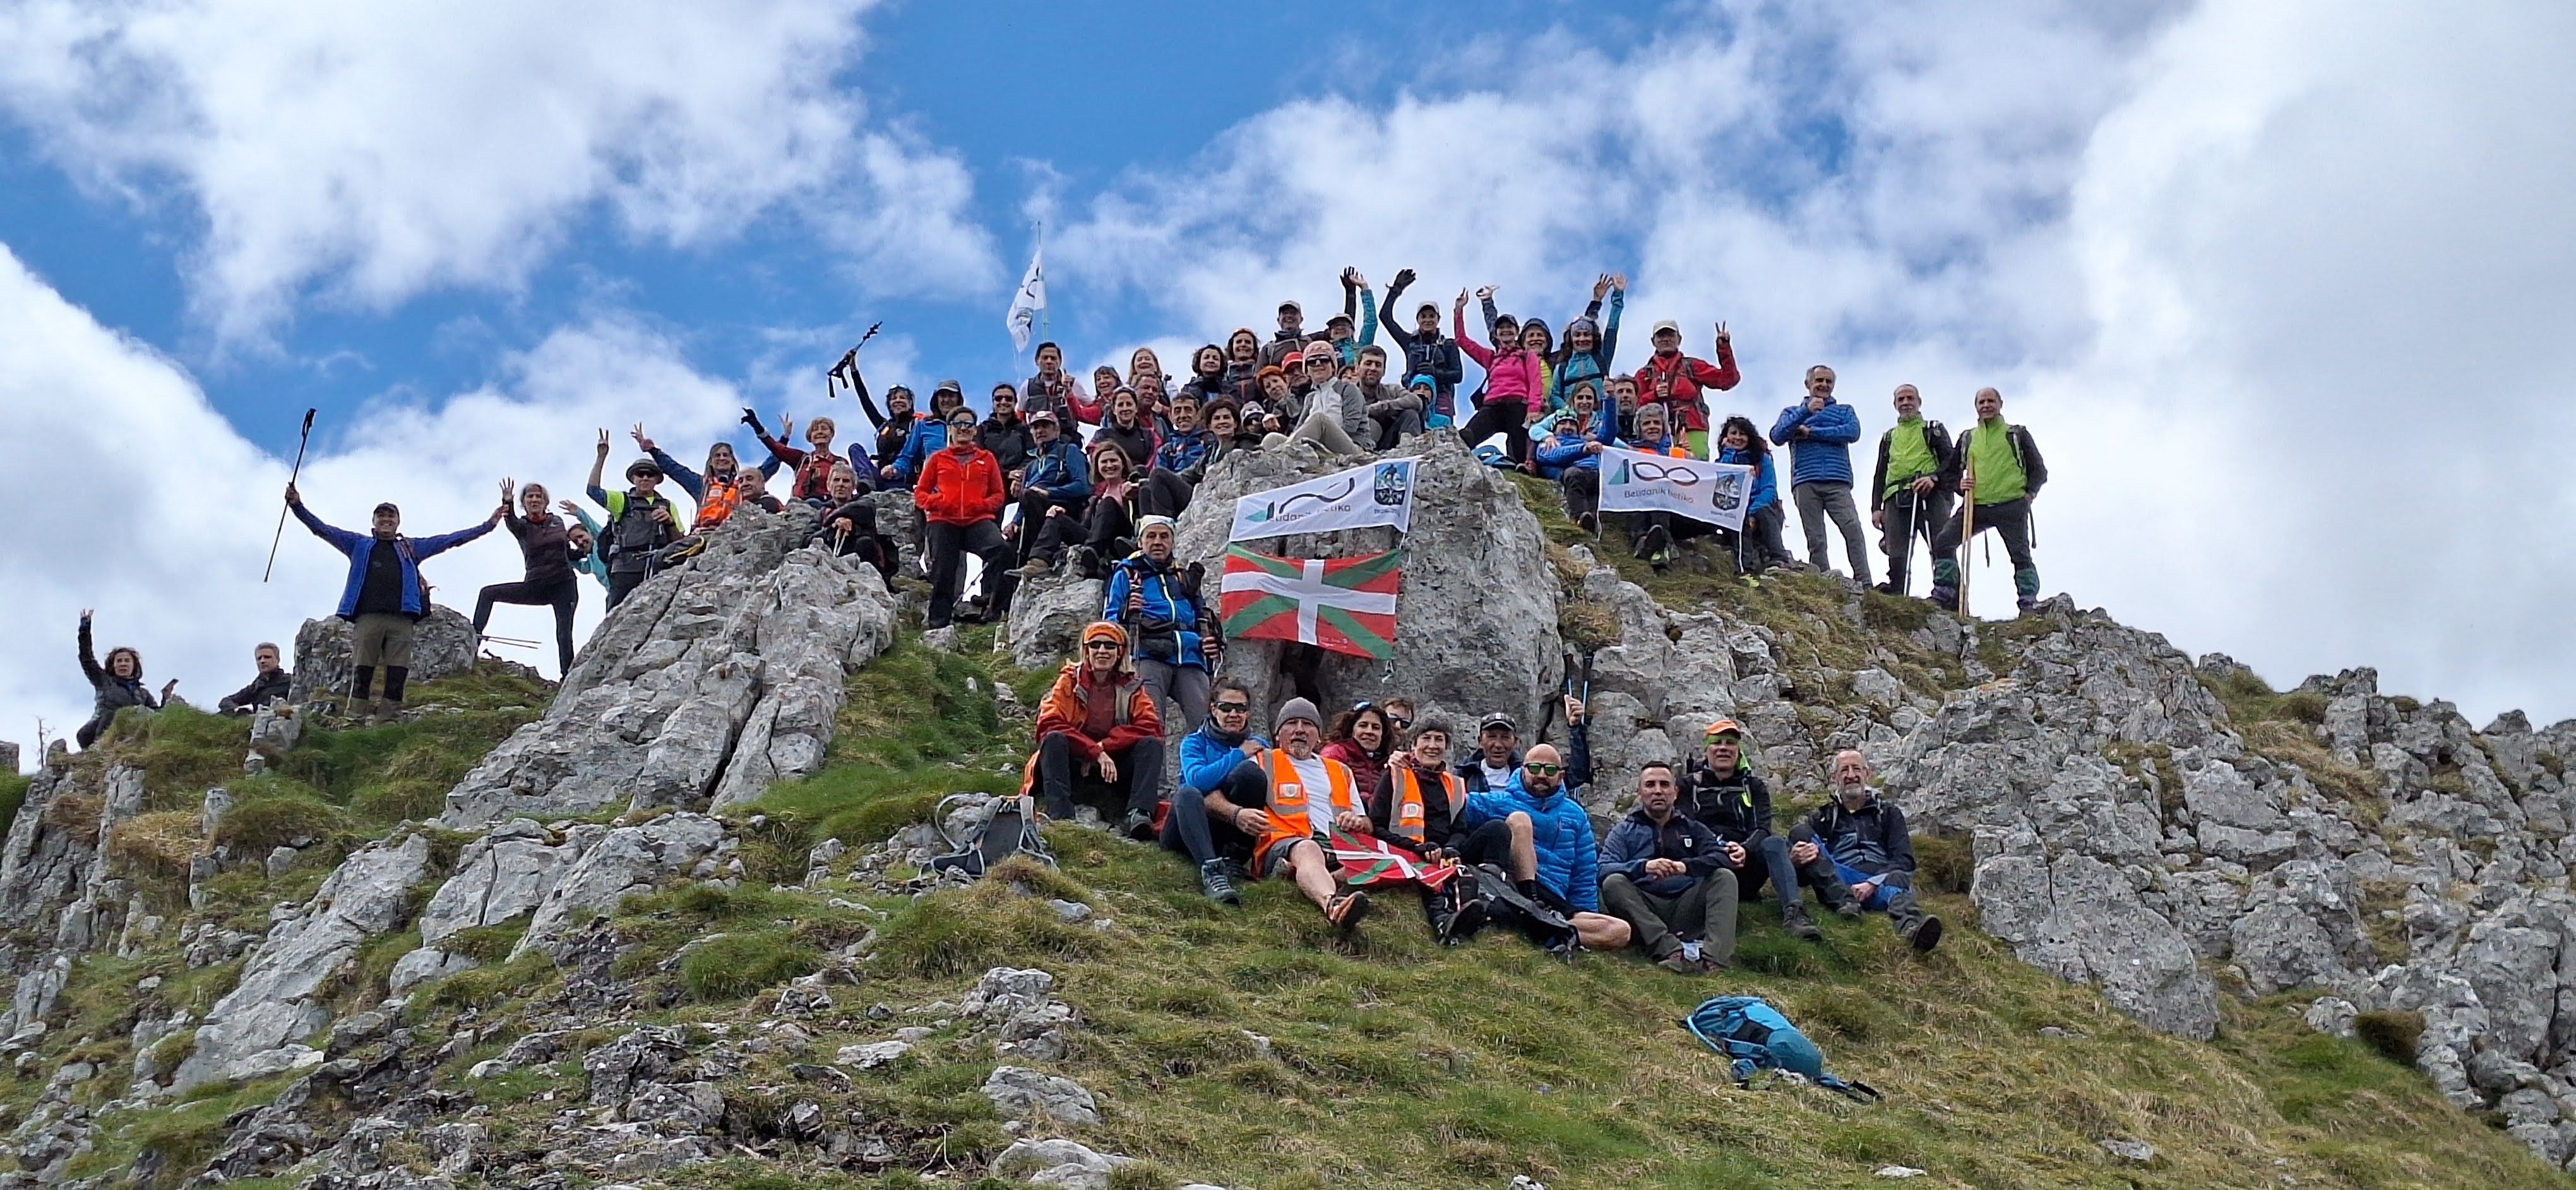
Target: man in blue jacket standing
pixel 384 599
pixel 1819 433
pixel 1159 605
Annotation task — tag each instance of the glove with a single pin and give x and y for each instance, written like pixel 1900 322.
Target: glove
pixel 751 417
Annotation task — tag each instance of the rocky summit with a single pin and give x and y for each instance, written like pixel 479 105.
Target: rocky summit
pixel 673 923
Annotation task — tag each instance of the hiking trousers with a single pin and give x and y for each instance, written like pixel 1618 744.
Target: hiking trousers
pixel 1181 686
pixel 2010 519
pixel 1138 787
pixel 1820 500
pixel 1500 417
pixel 949 545
pixel 1706 908
pixel 563 595
pixel 1909 516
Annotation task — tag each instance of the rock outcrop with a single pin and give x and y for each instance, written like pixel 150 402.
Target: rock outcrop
pixel 443 646
pixel 707 684
pixel 58 900
pixel 1478 605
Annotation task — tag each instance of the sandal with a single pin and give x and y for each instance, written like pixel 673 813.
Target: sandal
pixel 1346 910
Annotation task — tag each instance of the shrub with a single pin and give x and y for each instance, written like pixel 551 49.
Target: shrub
pixel 2395 1035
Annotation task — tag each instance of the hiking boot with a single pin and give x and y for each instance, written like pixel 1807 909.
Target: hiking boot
pixel 1463 922
pixel 1945 598
pixel 1926 935
pixel 1588 522
pixel 385 711
pixel 1850 910
pixel 1216 885
pixel 1083 561
pixel 1794 919
pixel 1656 539
pixel 1887 588
pixel 1679 964
pixel 2027 606
pixel 1137 825
pixel 1035 568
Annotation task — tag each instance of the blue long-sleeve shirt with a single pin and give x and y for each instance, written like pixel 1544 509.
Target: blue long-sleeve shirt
pixel 1208 755
pixel 1824 455
pixel 689 481
pixel 1560 453
pixel 1766 485
pixel 928 435
pixel 1058 470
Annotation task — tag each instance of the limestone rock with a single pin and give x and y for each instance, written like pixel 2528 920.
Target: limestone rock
pixel 2075 917
pixel 275 1005
pixel 1047 614
pixel 1057 1163
pixel 1024 1094
pixel 443 645
pixel 710 682
pixel 613 863
pixel 1478 606
pixel 871 1055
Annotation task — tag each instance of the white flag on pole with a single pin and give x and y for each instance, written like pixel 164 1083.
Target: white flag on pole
pixel 1634 481
pixel 1028 303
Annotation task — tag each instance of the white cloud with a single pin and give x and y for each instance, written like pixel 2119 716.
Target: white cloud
pixel 167 525
pixel 376 151
pixel 2222 261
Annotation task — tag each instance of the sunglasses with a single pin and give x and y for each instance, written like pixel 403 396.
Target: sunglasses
pixel 1232 708
pixel 1101 644
pixel 1544 770
pixel 1399 721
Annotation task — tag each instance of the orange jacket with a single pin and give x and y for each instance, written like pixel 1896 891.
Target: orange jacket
pixel 1067 707
pixel 960 492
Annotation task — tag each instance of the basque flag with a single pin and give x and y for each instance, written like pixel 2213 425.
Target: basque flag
pixel 1343 604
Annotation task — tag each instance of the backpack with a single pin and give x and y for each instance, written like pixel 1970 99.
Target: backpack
pixel 1753 1036
pixel 635 536
pixel 1011 829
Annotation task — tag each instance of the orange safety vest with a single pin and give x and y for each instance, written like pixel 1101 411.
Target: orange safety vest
pixel 1288 799
pixel 1408 811
pixel 722 495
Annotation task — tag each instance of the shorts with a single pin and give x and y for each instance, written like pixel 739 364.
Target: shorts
pixel 382 639
pixel 1544 895
pixel 1273 860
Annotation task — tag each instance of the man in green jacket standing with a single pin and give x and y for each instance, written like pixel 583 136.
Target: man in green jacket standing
pixel 1905 494
pixel 1998 468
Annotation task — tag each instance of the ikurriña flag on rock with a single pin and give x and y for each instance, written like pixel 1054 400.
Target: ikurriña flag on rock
pixel 1343 604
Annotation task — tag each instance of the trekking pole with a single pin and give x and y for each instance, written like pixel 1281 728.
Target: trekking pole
pixel 302 437
pixel 1967 532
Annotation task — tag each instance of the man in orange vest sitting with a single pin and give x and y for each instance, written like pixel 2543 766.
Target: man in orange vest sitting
pixel 1097 729
pixel 1416 808
pixel 1309 797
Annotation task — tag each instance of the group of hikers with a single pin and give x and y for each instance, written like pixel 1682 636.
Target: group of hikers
pixel 1501 834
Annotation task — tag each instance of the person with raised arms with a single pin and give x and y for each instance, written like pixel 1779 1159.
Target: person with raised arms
pixel 117 684
pixel 384 598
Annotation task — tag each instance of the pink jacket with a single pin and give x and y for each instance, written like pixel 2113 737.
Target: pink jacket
pixel 1513 377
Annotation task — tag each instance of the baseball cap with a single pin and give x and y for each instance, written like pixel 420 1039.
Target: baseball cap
pixel 388 506
pixel 1042 415
pixel 1497 719
pixel 1292 306
pixel 1722 727
pixel 1665 325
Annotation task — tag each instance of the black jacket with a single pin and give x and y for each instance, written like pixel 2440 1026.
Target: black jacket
pixel 1736 806
pixel 1871 839
pixel 1936 436
pixel 1433 355
pixel 250 698
pixel 1012 445
pixel 1625 850
pixel 2034 469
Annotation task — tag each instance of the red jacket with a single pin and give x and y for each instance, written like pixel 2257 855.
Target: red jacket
pixel 955 492
pixel 1067 707
pixel 1685 376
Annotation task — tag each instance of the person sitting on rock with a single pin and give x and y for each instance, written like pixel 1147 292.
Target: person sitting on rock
pixel 1103 528
pixel 271 682
pixel 383 599
pixel 1656 533
pixel 1305 797
pixel 1663 873
pixel 1760 545
pixel 1725 795
pixel 1394 411
pixel 1058 478
pixel 1362 739
pixel 1220 767
pixel 1417 806
pixel 960 498
pixel 1004 434
pixel 1174 628
pixel 1997 469
pixel 1497 756
pixel 1098 735
pixel 1566 876
pixel 116 685
pixel 716 489
pixel 751 489
pixel 812 465
pixel 1871 853
pixel 849 525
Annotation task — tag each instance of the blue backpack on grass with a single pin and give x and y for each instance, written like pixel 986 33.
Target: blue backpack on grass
pixel 1753 1036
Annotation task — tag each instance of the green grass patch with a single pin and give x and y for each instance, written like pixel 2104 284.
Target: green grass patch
pixel 733 966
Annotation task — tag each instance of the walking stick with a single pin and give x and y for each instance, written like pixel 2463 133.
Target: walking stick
pixel 1967 532
pixel 306 435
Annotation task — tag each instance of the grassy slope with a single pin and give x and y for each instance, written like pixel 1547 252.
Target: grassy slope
pixel 1391 1063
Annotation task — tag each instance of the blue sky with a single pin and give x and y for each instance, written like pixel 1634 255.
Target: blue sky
pixel 472 232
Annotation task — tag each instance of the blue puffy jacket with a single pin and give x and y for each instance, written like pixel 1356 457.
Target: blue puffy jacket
pixel 929 435
pixel 1208 755
pixel 1059 471
pixel 1560 453
pixel 1766 484
pixel 361 546
pixel 1824 455
pixel 1569 860
pixel 1167 605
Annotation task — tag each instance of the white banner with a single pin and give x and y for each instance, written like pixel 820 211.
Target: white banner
pixel 1718 493
pixel 1360 498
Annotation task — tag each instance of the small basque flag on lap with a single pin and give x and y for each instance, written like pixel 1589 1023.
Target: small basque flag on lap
pixel 1343 604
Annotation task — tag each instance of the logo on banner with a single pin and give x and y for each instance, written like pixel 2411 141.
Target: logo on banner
pixel 1377 495
pixel 1718 493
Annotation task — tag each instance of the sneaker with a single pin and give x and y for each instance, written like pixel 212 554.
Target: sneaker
pixel 1463 924
pixel 1656 539
pixel 1137 825
pixel 1925 936
pixel 1588 522
pixel 1035 568
pixel 1216 885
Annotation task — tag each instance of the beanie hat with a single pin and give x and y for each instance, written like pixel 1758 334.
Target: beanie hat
pixel 1296 708
pixel 1422 380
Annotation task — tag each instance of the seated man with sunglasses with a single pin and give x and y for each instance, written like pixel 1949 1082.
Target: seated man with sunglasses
pixel 1567 875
